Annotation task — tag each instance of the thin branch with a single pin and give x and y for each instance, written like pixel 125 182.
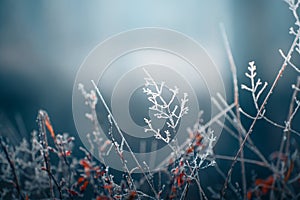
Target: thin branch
pixel 44 151
pixel 276 124
pixel 237 105
pixel 259 112
pixel 123 139
pixel 289 62
pixel 202 128
pixel 250 143
pixel 13 168
pixel 250 161
pixel 285 136
pixel 290 113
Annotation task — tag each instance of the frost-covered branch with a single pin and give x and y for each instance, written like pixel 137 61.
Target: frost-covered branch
pixel 262 107
pixel 13 168
pixel 256 88
pixel 95 139
pixel 163 107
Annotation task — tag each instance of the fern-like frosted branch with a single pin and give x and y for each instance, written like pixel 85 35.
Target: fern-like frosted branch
pixel 163 108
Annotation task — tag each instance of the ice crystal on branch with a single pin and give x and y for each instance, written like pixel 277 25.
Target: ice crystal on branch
pixel 163 107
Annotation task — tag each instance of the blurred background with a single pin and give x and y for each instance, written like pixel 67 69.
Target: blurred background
pixel 43 43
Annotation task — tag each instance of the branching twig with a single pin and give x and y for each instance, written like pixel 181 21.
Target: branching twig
pixel 124 140
pixel 237 106
pixel 260 112
pixel 13 168
pixel 162 107
pixel 291 110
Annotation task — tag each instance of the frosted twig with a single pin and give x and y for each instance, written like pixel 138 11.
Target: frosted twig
pixel 255 162
pixel 42 118
pixel 237 105
pixel 123 138
pixel 13 168
pixel 289 62
pixel 157 133
pixel 91 100
pixel 120 153
pixel 201 129
pixel 276 124
pixel 207 141
pixel 291 111
pixel 163 108
pixel 255 95
pixel 254 88
pixel 286 132
pixel 293 6
pixel 260 111
pixel 251 144
pixel 291 115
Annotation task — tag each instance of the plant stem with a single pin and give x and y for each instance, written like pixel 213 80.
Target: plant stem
pixel 237 106
pixel 280 73
pixel 13 168
pixel 125 142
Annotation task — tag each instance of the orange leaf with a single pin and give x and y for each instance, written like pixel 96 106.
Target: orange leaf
pixel 190 150
pixel 102 198
pixel 49 127
pixel 269 181
pixel 180 179
pixel 73 193
pixel 80 180
pixel 259 181
pixel 85 163
pixel 265 184
pixel 83 187
pixel 173 189
pixel 108 186
pixel 198 139
pixel 249 195
pixel 132 195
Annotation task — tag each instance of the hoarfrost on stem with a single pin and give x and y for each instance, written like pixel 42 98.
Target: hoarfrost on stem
pixel 164 108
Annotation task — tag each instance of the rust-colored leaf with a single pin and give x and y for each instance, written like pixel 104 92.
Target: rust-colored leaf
pixel 49 127
pixel 289 172
pixel 80 180
pixel 73 192
pixel 83 187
